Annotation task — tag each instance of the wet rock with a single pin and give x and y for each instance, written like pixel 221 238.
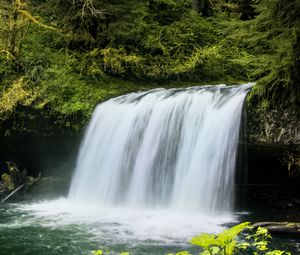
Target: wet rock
pixel 290 228
pixel 277 127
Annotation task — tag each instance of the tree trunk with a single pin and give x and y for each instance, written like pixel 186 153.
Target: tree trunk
pixel 205 6
pixel 195 5
pixel 12 44
pixel 296 70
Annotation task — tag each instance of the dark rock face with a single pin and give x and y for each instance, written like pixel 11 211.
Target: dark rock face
pixel 273 152
pixel 274 127
pixel 273 141
pixel 51 155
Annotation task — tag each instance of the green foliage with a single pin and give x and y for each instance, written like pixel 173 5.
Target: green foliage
pixel 229 242
pixel 102 49
pixel 7 181
pixel 20 92
pixel 164 40
pixel 101 252
pixel 224 243
pixel 69 94
pixel 271 38
pixel 98 252
pixel 15 19
pixel 77 20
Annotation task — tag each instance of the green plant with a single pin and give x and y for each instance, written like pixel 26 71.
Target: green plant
pixel 100 252
pixel 229 242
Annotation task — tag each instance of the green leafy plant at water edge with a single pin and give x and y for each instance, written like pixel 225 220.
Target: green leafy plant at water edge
pixel 229 242
pixel 100 252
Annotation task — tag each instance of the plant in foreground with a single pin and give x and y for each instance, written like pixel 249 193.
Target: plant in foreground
pixel 229 242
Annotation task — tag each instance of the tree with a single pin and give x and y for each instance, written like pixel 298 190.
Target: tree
pixel 205 7
pixel 13 28
pixel 14 21
pixel 79 20
pixel 195 5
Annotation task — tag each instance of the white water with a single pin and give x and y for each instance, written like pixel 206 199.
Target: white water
pixel 173 149
pixel 117 225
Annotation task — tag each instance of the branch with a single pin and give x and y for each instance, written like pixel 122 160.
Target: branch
pixel 90 6
pixel 27 15
pixel 19 3
pixel 8 54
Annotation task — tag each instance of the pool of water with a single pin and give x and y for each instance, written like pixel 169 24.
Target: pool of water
pixel 62 227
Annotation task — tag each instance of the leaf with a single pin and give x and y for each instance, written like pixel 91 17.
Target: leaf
pixel 183 253
pixel 34 20
pixel 230 247
pixel 227 235
pixel 204 240
pixel 243 245
pixel 98 252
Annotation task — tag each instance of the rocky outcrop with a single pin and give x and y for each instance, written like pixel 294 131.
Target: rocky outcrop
pixel 276 127
pixel 273 158
pixel 275 136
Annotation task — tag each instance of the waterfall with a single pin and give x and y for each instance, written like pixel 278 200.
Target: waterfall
pixel 173 149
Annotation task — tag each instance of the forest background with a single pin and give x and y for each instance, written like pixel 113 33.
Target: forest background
pixel 60 58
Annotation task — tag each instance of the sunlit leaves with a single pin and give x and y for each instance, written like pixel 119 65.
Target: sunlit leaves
pixel 224 241
pixel 227 235
pixel 101 252
pixel 205 240
pixel 98 252
pixel 20 92
pixel 124 253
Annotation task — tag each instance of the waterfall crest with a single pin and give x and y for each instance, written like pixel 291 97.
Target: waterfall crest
pixel 172 148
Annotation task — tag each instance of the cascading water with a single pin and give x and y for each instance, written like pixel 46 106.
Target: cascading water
pixel 174 149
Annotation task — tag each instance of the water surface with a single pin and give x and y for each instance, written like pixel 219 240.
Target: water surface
pixel 63 227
